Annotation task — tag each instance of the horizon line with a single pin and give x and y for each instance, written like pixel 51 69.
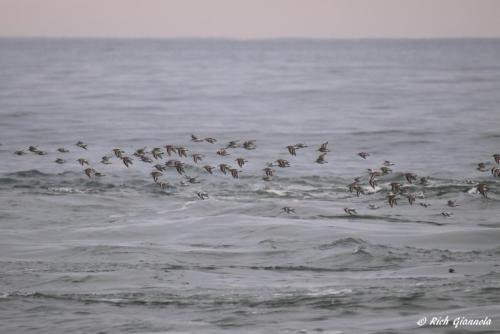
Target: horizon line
pixel 243 39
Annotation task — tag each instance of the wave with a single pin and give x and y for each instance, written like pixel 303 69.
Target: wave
pixel 348 254
pixel 249 188
pixel 272 300
pixel 384 218
pixel 405 133
pixel 29 173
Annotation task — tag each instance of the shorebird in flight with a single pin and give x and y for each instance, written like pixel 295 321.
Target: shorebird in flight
pixel 350 211
pixel 241 161
pixel 202 195
pixel 83 161
pixel 364 155
pixel 321 159
pixel 127 161
pixel 323 148
pixel 81 144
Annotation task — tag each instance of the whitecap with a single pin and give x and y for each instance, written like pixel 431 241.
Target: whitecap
pixel 329 292
pixel 68 190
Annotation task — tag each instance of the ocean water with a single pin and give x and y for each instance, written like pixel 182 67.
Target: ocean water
pixel 119 254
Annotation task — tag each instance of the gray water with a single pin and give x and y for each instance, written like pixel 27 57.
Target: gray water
pixel 118 254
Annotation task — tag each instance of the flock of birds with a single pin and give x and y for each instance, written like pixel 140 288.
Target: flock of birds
pixel 155 156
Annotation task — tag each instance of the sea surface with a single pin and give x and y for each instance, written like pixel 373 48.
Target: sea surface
pixel 119 254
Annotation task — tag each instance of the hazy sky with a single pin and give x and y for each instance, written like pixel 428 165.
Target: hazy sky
pixel 251 18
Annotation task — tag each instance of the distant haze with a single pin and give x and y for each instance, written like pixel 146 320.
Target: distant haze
pixel 251 18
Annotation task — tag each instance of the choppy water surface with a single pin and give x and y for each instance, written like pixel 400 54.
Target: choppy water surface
pixel 119 254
